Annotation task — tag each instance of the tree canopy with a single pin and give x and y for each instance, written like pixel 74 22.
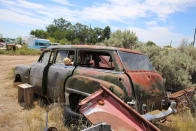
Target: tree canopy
pixel 64 32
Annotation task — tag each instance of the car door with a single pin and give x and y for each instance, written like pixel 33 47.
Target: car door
pixel 39 71
pixel 58 72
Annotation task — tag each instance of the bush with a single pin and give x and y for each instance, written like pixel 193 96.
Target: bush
pixel 125 39
pixel 150 43
pixel 2 51
pixel 177 66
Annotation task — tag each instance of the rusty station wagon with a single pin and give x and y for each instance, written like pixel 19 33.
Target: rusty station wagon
pixel 125 72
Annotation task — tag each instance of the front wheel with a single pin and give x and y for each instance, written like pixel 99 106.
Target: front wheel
pixel 70 117
pixel 71 114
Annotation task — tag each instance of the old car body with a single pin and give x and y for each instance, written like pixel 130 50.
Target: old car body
pixel 126 73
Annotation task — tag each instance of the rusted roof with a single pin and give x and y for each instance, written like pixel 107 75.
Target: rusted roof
pixel 93 47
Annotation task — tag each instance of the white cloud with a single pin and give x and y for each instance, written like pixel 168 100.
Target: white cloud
pixel 112 10
pixel 63 2
pixel 151 23
pixel 26 4
pixel 22 3
pixel 162 8
pixel 16 17
pixel 160 35
pixel 22 11
pixel 118 10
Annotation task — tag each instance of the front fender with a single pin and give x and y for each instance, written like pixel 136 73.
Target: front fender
pixel 23 72
pixel 90 85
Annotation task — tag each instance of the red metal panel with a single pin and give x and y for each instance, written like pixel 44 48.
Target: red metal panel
pixel 114 112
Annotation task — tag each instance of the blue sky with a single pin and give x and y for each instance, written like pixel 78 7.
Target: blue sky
pixel 160 21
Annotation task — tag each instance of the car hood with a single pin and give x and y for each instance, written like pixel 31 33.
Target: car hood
pixel 149 88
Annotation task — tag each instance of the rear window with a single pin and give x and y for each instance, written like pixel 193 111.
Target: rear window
pixel 135 62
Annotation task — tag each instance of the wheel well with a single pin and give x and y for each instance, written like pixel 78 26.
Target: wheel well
pixel 74 99
pixel 17 78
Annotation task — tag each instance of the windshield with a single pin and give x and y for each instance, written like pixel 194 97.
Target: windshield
pixel 135 62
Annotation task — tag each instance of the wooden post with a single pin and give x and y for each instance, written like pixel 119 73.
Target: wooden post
pixel 25 95
pixel 20 95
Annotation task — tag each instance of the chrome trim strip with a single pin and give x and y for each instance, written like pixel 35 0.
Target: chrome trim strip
pixel 78 92
pixel 102 70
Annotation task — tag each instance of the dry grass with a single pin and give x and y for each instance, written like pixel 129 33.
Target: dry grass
pixel 36 119
pixel 5 118
pixel 179 122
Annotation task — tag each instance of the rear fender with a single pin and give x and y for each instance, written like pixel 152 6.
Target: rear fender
pixel 23 72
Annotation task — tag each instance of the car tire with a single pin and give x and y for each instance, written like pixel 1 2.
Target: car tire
pixel 70 117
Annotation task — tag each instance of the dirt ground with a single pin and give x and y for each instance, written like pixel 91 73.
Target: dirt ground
pixel 11 113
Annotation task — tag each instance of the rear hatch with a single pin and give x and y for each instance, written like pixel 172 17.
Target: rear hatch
pixel 148 84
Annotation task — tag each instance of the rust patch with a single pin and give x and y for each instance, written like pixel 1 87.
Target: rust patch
pixel 183 98
pixel 131 51
pixel 149 88
pixel 90 85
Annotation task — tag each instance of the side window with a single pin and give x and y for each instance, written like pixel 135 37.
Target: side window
pixel 106 62
pixel 64 57
pixel 45 57
pixel 98 60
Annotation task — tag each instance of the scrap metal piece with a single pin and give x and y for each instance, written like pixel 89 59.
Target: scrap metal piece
pixel 183 98
pixel 105 106
pixel 171 109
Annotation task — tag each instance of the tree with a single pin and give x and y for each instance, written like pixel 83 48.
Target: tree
pixel 64 41
pixel 52 39
pixel 58 24
pixel 19 40
pixel 99 34
pixel 50 29
pixel 59 34
pixel 62 30
pixel 70 34
pixel 81 32
pixel 39 33
pixel 61 24
pixel 150 43
pixel 91 39
pixel 106 33
pixel 125 39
